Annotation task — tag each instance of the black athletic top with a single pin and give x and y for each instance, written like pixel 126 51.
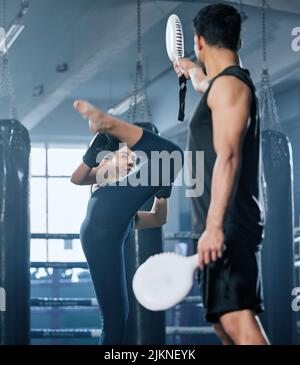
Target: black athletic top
pixel 244 213
pixel 109 221
pixel 115 204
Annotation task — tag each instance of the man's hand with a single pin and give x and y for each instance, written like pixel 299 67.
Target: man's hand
pixel 210 246
pixel 193 71
pixel 182 66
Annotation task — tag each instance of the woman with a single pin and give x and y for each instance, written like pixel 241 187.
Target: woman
pixel 113 206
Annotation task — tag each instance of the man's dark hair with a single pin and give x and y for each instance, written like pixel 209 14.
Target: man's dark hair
pixel 219 25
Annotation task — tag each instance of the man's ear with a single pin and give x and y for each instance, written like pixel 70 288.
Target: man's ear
pixel 201 42
pixel 196 42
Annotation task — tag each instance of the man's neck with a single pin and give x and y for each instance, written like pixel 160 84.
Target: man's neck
pixel 218 60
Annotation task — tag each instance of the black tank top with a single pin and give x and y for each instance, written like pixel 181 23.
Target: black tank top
pixel 243 214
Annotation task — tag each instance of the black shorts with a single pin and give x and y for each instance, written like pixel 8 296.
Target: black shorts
pixel 234 281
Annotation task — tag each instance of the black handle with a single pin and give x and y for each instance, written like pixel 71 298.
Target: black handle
pixel 182 93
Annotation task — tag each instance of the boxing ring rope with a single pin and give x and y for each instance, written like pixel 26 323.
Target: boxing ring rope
pixel 55 236
pixel 173 331
pixel 88 302
pixel 297 259
pixel 48 303
pixel 65 333
pixel 96 333
pixel 59 265
pixel 73 236
pixel 64 302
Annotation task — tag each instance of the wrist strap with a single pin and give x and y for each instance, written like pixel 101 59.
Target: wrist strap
pixel 182 93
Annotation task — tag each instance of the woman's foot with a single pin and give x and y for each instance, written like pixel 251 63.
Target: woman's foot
pixel 97 119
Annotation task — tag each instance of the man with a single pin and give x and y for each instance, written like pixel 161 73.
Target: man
pixel 227 215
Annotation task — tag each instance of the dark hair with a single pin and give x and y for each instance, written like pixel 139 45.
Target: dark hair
pixel 219 25
pixel 106 142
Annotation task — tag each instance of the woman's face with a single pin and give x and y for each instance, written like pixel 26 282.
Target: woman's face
pixel 120 163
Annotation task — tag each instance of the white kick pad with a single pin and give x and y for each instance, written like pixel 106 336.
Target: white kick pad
pixel 164 280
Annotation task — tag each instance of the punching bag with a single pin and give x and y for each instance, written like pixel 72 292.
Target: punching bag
pixel 144 327
pixel 14 233
pixel 277 249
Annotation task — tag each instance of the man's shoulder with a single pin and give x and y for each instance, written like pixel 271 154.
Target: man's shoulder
pixel 230 83
pixel 227 89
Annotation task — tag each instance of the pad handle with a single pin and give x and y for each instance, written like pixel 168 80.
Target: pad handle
pixel 182 94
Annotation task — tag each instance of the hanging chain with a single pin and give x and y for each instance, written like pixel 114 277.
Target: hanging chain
pixel 267 105
pixel 3 22
pixel 264 34
pixel 5 71
pixel 139 110
pixel 139 29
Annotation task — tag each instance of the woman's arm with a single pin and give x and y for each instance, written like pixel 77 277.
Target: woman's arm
pixel 84 175
pixel 156 217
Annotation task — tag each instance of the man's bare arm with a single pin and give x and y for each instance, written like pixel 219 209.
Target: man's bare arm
pixel 229 101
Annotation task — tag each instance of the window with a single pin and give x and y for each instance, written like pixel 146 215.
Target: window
pixel 57 205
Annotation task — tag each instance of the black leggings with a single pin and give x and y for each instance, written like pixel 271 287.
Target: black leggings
pixel 104 251
pixel 108 222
